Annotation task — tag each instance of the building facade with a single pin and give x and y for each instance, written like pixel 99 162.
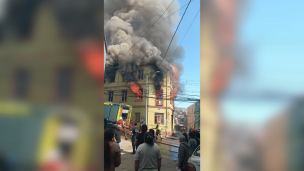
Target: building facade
pixel 190 116
pixel 197 115
pixel 160 105
pixel 180 115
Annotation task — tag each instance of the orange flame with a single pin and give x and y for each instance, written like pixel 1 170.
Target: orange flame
pixel 175 81
pixel 135 88
pixel 93 59
pixel 157 93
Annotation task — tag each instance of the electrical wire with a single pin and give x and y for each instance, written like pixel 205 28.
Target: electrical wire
pixel 150 27
pixel 175 32
pixel 186 31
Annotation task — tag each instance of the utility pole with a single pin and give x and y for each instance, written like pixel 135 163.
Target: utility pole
pixel 147 93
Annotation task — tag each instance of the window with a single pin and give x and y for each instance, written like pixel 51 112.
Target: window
pixel 110 96
pixel 64 82
pixel 139 98
pixel 140 74
pixel 21 84
pixel 112 80
pixel 124 96
pixel 137 117
pixel 159 98
pixel 159 117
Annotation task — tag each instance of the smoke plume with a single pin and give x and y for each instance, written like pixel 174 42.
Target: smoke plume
pixel 126 22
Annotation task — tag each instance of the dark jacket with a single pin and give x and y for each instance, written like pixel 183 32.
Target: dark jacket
pixel 117 134
pixel 197 142
pixel 115 157
pixel 183 155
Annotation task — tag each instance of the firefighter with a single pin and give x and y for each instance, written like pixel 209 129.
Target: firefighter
pixel 158 130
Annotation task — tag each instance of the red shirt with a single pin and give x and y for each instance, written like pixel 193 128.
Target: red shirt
pixel 121 124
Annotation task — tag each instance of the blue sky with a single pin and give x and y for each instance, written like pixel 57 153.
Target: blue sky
pixel 274 32
pixel 191 74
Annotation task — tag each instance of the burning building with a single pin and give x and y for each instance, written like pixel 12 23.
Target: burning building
pixel 160 105
pixel 138 45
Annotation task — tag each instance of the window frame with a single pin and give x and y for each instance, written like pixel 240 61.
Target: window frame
pixel 143 71
pixel 122 95
pixel 72 73
pixel 161 121
pixel 137 114
pixel 111 91
pixel 162 99
pixel 114 79
pixel 142 97
pixel 16 84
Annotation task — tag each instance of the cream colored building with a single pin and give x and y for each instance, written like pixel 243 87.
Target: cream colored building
pixel 161 109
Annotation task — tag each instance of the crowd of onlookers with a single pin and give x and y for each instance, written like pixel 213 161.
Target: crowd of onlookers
pixel 147 153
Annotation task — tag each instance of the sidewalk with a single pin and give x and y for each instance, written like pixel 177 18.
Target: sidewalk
pixel 127 159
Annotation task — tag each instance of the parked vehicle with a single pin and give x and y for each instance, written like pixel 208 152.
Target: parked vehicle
pixel 194 160
pixel 113 111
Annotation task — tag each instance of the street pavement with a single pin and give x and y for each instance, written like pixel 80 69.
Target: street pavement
pixel 169 154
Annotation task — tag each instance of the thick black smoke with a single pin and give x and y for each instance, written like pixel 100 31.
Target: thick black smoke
pixel 130 46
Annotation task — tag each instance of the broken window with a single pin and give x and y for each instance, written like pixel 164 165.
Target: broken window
pixel 110 96
pixel 140 97
pixel 112 80
pixel 141 74
pixel 171 98
pixel 159 97
pixel 124 96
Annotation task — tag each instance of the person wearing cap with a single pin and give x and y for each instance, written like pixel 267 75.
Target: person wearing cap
pixel 183 154
pixel 158 130
pixel 192 143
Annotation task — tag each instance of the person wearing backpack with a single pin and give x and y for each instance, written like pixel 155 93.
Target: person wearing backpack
pixel 135 131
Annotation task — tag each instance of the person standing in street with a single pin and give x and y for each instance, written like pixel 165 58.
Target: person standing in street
pixel 135 132
pixel 197 138
pixel 117 133
pixel 148 155
pixel 153 133
pixel 185 134
pixel 125 129
pixel 183 154
pixel 140 137
pixel 158 130
pixel 112 153
pixel 192 143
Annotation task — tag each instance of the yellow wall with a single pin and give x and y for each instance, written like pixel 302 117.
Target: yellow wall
pixel 140 107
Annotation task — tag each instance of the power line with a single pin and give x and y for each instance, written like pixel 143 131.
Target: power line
pixel 187 31
pixel 175 32
pixel 150 27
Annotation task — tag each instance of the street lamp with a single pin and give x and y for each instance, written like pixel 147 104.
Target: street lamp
pixel 147 95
